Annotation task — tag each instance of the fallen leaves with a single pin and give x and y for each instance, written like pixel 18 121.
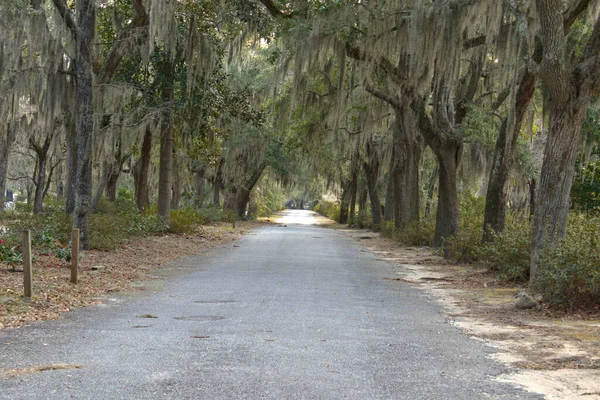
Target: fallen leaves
pixel 12 373
pixel 100 273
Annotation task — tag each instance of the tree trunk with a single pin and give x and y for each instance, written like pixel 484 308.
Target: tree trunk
pixel 495 200
pixel 532 191
pixel 390 204
pixel 345 201
pixel 199 185
pixel 362 199
pixel 353 192
pixel 4 157
pixel 71 162
pixel 111 185
pixel 176 191
pixel 371 168
pixel 447 218
pixel 218 184
pixel 243 194
pixel 106 172
pixel 570 89
pixel 408 146
pixel 558 169
pixel 140 171
pixel 40 183
pixel 166 144
pixel 86 23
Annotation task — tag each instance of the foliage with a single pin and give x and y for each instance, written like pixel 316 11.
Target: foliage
pixel 464 246
pixel 187 220
pixel 569 273
pixel 481 126
pixel 585 192
pixel 268 200
pixel 10 255
pixel 328 209
pixel 509 252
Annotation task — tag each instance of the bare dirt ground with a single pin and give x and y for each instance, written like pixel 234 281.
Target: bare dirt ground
pixel 557 355
pixel 101 273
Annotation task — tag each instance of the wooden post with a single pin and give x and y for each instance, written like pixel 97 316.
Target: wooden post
pixel 74 256
pixel 26 253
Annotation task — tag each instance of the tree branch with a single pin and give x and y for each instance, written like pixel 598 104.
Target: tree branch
pixel 572 13
pixel 65 14
pixel 274 11
pixel 392 101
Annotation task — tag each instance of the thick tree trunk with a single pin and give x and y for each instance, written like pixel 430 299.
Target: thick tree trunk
pixel 408 146
pixel 166 144
pixel 71 162
pixel 218 184
pixel 140 171
pixel 447 218
pixel 353 192
pixel 345 201
pixel 111 185
pixel 4 158
pixel 532 191
pixel 40 183
pixel 106 172
pixel 570 89
pixel 390 203
pixel 176 185
pixel 199 185
pixel 243 194
pixel 495 200
pixel 371 168
pixel 558 169
pixel 362 199
pixel 86 23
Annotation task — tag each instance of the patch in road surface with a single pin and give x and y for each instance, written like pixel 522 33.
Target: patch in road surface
pixel 215 301
pixel 13 373
pixel 199 318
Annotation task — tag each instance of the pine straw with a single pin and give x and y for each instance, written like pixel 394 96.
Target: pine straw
pixel 54 295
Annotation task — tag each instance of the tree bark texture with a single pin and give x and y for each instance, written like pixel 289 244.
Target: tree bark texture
pixel 86 23
pixel 199 186
pixel 140 171
pixel 495 201
pixel 570 90
pixel 218 183
pixel 408 148
pixel 354 190
pixel 371 168
pixel 176 185
pixel 166 144
pixel 8 140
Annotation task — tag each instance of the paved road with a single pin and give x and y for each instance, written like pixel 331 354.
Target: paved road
pixel 296 312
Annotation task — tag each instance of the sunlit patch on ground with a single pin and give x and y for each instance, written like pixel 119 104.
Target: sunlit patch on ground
pixel 299 217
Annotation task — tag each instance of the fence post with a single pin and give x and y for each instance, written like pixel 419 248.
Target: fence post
pixel 26 253
pixel 74 256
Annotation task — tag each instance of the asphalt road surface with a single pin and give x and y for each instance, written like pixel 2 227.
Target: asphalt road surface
pixel 296 312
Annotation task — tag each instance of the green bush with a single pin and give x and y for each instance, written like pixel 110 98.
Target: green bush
pixel 569 273
pixel 364 219
pixel 465 246
pixel 417 233
pixel 509 252
pixel 184 221
pixel 329 209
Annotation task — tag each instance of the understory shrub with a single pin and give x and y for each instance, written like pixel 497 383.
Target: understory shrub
pixel 509 252
pixel 569 273
pixel 464 246
pixel 329 209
